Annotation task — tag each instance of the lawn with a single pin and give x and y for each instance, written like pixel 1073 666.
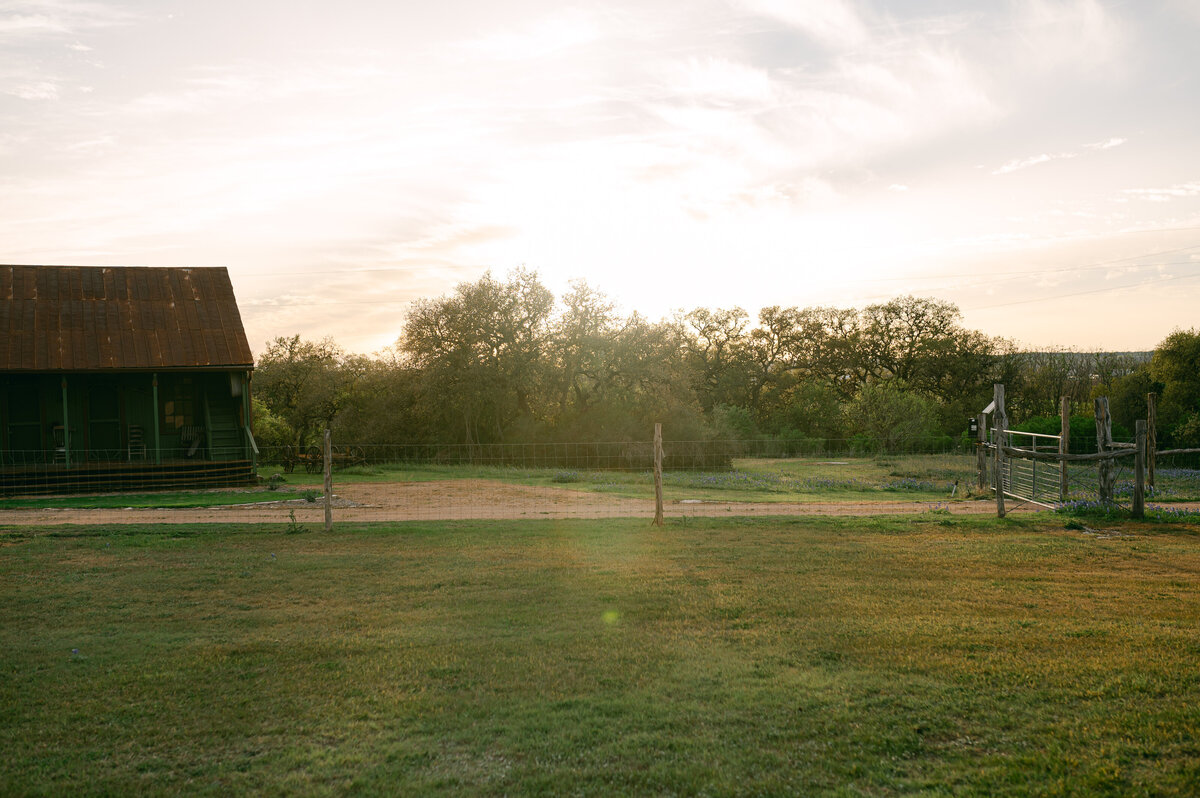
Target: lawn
pixel 933 654
pixel 162 499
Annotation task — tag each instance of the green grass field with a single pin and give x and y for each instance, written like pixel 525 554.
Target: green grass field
pixel 932 654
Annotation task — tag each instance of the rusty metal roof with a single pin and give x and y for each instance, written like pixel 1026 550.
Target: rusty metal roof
pixel 93 318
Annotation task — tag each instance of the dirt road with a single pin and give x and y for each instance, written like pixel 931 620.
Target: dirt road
pixel 473 499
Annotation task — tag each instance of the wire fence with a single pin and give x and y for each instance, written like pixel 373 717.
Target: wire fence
pixel 63 471
pixel 547 480
pixel 454 481
pixel 680 455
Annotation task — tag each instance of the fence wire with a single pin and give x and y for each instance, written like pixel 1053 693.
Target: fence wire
pixel 454 481
pixel 388 482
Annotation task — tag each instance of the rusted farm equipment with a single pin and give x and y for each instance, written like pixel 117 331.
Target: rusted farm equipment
pixel 312 460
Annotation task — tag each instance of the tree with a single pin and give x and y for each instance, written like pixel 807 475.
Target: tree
pixel 890 416
pixel 303 383
pixel 640 376
pixel 716 347
pixel 1040 378
pixel 833 353
pixel 479 353
pixel 772 352
pixel 810 409
pixel 1175 365
pixel 385 408
pixel 583 338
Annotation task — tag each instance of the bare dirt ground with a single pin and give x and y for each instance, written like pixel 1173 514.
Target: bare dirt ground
pixel 474 499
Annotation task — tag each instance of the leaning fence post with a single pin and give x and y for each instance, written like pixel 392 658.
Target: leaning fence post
pixel 328 483
pixel 658 456
pixel 1139 472
pixel 1001 420
pixel 1064 446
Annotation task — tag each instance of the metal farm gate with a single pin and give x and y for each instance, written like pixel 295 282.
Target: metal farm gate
pixel 1038 482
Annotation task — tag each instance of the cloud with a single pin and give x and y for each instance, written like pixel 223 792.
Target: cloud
pixel 210 88
pixel 1079 35
pixel 1036 160
pixel 31 24
pixel 26 72
pixel 1025 163
pixel 1167 194
pixel 27 84
pixel 538 39
pixel 718 80
pixel 831 22
pixel 26 19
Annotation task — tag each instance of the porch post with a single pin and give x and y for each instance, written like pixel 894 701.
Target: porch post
pixel 66 426
pixel 154 411
pixel 247 421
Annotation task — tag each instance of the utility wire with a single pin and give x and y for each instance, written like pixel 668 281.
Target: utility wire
pixel 1083 293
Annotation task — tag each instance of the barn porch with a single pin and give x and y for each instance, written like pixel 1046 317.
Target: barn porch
pixel 91 432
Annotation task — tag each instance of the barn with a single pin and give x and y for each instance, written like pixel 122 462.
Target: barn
pixel 117 378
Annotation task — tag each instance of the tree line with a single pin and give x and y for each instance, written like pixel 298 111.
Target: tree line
pixel 501 360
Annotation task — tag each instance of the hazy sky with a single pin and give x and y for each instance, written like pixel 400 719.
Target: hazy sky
pixel 1035 162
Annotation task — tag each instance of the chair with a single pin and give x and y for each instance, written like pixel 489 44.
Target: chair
pixel 59 433
pixel 137 443
pixel 193 436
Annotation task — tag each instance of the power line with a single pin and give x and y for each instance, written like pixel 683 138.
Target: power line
pixel 1031 300
pixel 1088 267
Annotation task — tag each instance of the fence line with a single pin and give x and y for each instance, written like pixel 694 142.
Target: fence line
pixel 602 455
pixel 567 479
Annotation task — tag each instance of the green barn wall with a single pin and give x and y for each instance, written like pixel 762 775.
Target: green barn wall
pixel 100 410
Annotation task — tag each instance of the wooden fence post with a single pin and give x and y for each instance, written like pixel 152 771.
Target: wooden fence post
pixel 1139 472
pixel 1152 437
pixel 658 457
pixel 328 483
pixel 1001 420
pixel 981 450
pixel 1104 467
pixel 1064 446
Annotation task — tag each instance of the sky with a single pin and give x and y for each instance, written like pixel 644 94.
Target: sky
pixel 1032 161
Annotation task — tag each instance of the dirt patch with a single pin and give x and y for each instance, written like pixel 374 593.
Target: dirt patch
pixel 447 500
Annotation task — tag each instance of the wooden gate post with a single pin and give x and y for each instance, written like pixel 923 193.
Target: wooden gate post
pixel 328 483
pixel 1064 446
pixel 1152 437
pixel 658 455
pixel 1103 439
pixel 1001 419
pixel 1139 472
pixel 981 450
